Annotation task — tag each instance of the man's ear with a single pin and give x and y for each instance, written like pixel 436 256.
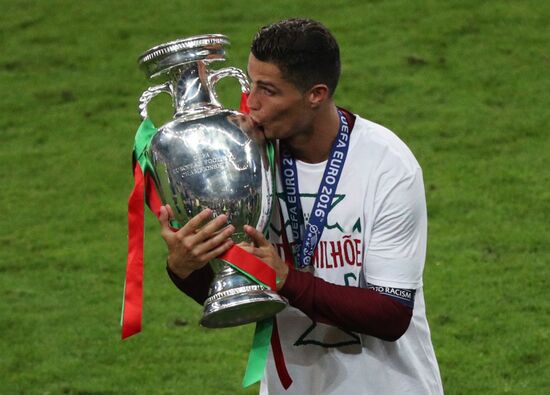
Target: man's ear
pixel 318 94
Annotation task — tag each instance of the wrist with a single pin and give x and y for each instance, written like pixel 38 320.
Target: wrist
pixel 281 277
pixel 178 271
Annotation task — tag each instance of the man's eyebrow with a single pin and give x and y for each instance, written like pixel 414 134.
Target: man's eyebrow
pixel 265 84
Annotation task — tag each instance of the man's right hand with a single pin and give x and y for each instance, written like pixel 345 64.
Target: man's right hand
pixel 197 242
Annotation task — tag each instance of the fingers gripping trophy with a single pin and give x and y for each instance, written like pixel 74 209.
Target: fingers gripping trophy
pixel 209 157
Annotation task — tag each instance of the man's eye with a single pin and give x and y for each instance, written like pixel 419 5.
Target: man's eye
pixel 268 92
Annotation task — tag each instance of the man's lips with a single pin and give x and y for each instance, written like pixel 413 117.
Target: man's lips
pixel 258 125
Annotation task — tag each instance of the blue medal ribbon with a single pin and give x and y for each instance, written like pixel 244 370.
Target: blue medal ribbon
pixel 307 236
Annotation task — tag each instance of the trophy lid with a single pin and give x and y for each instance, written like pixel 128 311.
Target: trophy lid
pixel 162 58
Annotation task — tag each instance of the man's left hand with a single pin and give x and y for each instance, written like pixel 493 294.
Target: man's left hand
pixel 263 250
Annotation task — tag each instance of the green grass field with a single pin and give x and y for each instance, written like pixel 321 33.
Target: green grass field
pixel 465 83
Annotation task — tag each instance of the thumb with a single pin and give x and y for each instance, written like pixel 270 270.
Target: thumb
pixel 170 212
pixel 164 219
pixel 256 236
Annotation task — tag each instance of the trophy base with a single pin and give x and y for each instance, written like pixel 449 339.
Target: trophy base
pixel 236 300
pixel 232 310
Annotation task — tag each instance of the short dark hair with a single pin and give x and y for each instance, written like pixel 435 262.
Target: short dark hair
pixel 304 50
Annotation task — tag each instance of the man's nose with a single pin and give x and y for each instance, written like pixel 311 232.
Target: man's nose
pixel 252 100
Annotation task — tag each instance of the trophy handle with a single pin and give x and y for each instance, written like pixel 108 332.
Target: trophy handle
pixel 148 95
pixel 214 77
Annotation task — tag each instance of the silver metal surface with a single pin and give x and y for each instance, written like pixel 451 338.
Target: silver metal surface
pixel 162 58
pixel 209 156
pixel 234 300
pixel 211 162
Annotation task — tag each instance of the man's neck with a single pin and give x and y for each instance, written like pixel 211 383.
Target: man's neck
pixel 315 146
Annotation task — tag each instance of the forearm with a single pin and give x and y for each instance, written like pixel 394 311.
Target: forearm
pixel 196 284
pixel 351 308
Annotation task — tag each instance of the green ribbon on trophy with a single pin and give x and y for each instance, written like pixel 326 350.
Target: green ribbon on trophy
pixel 132 304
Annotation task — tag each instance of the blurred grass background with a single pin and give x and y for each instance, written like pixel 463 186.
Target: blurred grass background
pixel 464 83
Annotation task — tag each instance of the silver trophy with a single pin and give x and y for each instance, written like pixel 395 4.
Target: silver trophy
pixel 209 156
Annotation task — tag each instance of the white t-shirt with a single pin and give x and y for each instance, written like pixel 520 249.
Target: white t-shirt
pixel 376 234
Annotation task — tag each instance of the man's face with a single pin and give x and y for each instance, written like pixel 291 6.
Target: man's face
pixel 277 107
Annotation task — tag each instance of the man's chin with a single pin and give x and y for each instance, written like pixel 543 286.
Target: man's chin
pixel 269 135
pixel 268 132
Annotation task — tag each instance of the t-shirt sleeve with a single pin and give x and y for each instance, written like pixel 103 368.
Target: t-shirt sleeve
pixel 196 285
pixel 355 309
pixel 396 249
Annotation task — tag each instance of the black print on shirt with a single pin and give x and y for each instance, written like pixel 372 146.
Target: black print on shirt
pixel 403 296
pixel 310 337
